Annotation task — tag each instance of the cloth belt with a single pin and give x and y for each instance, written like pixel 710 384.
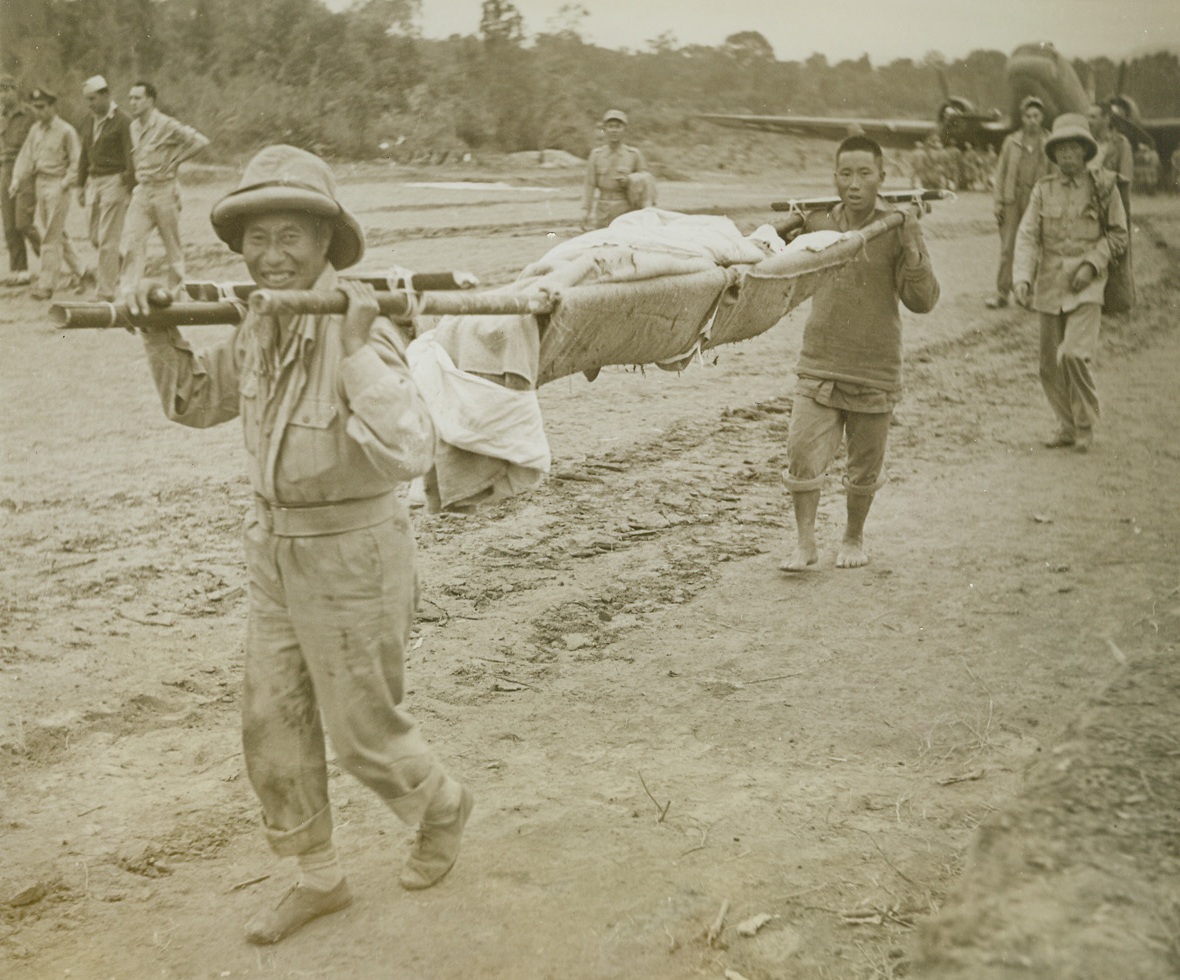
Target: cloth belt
pixel 316 519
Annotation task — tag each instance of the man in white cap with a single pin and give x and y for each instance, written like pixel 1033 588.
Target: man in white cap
pixel 608 171
pixel 1075 225
pixel 1021 164
pixel 106 176
pixel 333 424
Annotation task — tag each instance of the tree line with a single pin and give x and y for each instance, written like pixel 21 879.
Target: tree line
pixel 360 82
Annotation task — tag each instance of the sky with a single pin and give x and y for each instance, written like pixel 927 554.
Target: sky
pixel 883 29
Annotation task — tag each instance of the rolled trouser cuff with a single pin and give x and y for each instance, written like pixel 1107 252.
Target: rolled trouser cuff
pixel 865 491
pixel 312 833
pixel 794 485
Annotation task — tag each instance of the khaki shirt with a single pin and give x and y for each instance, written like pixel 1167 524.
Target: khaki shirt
pixel 51 150
pixel 1022 163
pixel 159 144
pixel 319 427
pixel 605 166
pixel 1063 228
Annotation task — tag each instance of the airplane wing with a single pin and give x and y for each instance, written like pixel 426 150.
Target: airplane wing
pixel 900 133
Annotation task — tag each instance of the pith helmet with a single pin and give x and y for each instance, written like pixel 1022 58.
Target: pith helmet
pixel 618 114
pixel 1071 126
pixel 286 178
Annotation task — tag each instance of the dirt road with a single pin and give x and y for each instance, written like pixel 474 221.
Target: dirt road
pixel 960 757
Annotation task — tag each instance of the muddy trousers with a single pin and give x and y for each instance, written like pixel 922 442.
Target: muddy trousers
pixel 330 616
pixel 1069 342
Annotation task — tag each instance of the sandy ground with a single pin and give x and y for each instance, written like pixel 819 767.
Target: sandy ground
pixel 958 761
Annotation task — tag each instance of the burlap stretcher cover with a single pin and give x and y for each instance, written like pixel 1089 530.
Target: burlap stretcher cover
pixel 655 287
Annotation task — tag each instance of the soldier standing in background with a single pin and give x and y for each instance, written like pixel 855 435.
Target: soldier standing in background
pixel 1022 163
pixel 159 145
pixel 106 176
pixel 15 121
pixel 49 157
pixel 608 170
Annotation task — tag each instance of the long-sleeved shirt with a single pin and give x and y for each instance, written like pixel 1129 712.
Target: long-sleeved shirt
pixel 51 151
pixel 14 127
pixel 160 144
pixel 320 427
pixel 106 147
pixel 853 334
pixel 1021 164
pixel 1069 221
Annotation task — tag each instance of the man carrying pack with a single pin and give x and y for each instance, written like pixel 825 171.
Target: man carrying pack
pixel 1074 226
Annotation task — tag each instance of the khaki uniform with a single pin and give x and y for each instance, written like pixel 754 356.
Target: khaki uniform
pixel 330 556
pixel 606 181
pixel 1070 222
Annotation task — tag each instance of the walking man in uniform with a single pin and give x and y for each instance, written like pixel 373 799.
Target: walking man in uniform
pixel 1074 226
pixel 1022 163
pixel 333 425
pixel 159 145
pixel 106 175
pixel 49 158
pixel 849 371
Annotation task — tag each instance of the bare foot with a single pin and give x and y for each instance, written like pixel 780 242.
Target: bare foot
pixel 799 559
pixel 852 555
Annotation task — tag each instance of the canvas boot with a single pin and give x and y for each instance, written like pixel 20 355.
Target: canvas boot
pixel 437 846
pixel 299 906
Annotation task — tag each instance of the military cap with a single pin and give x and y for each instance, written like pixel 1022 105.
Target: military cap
pixel 42 95
pixel 618 114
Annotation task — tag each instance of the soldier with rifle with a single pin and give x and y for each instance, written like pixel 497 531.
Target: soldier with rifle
pixel 333 424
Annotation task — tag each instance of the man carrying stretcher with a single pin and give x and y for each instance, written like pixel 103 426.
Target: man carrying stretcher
pixel 849 370
pixel 333 424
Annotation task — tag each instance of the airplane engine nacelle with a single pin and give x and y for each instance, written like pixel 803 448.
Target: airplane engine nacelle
pixel 955 106
pixel 1125 106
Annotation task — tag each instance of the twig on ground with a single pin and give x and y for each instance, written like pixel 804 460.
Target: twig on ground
pixel 249 882
pixel 663 809
pixel 901 874
pixel 714 932
pixel 145 622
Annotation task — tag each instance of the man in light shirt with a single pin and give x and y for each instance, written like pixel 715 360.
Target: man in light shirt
pixel 50 157
pixel 159 145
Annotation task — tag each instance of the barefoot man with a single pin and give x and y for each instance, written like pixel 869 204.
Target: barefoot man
pixel 849 369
